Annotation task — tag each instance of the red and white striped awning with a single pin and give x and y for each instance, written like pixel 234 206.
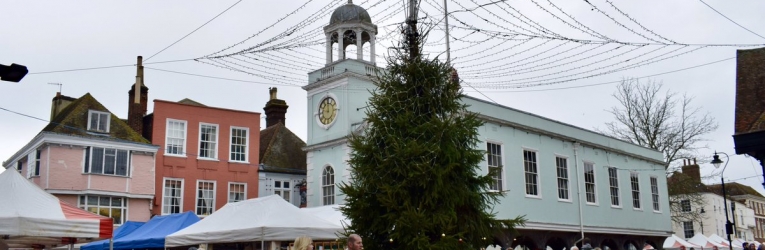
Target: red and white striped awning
pixel 29 216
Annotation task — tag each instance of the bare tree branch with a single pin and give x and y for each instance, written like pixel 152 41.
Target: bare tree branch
pixel 667 122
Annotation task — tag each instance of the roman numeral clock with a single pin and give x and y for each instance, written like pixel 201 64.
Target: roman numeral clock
pixel 327 111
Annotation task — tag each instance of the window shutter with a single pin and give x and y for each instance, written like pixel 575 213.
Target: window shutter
pixel 87 160
pixel 31 163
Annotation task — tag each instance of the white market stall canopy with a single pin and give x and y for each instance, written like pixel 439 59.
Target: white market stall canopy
pixel 674 242
pixel 720 240
pixel 703 241
pixel 30 216
pixel 269 218
pixel 329 213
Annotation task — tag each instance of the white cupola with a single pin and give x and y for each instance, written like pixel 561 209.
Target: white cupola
pixel 353 24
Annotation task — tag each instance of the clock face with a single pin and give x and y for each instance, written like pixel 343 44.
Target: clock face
pixel 327 110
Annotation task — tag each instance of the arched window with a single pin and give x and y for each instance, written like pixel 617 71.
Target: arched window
pixel 328 185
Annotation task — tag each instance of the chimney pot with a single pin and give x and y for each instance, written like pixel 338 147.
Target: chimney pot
pixel 276 109
pixel 272 92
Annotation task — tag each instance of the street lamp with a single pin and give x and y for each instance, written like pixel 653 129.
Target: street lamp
pixel 13 73
pixel 728 227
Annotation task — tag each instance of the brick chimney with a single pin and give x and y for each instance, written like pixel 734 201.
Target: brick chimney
pixel 750 93
pixel 691 169
pixel 137 105
pixel 276 109
pixel 59 103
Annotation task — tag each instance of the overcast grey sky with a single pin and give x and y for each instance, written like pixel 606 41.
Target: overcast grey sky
pixel 62 35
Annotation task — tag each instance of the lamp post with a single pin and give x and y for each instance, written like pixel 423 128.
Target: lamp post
pixel 701 221
pixel 728 226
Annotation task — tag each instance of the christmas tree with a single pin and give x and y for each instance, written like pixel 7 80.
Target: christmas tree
pixel 415 181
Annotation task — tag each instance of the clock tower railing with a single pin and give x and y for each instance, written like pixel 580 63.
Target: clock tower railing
pixel 340 67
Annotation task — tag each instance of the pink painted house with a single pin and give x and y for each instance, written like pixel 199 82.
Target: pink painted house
pixel 88 157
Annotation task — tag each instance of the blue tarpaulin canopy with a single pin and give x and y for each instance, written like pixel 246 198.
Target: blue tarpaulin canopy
pixel 152 233
pixel 120 232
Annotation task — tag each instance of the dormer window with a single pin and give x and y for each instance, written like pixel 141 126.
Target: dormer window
pixel 98 121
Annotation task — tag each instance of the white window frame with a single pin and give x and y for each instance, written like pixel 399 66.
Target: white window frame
pixel 246 144
pixel 165 195
pixel 98 113
pixel 184 139
pixel 594 182
pixel 635 188
pixel 89 165
pixel 35 169
pixel 655 198
pixel 244 191
pixel 281 189
pixel 83 203
pixel 217 142
pixel 325 198
pixel 686 231
pixel 537 184
pixel 566 179
pixel 613 187
pixel 499 181
pixel 196 197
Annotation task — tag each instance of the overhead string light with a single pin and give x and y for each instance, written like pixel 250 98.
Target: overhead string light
pixel 543 30
pixel 581 27
pixel 508 56
pixel 331 4
pixel 626 67
pixel 507 66
pixel 535 55
pixel 521 81
pixel 638 23
pixel 218 64
pixel 503 73
pixel 625 26
pixel 497 25
pixel 282 76
pixel 561 62
pixel 320 14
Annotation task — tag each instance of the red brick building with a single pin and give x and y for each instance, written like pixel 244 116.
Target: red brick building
pixel 207 156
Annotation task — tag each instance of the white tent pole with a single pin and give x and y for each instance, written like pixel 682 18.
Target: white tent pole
pixel 111 243
pixel 71 246
pixel 262 237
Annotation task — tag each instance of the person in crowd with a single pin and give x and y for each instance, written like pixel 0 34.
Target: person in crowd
pixel 354 242
pixel 586 244
pixel 303 243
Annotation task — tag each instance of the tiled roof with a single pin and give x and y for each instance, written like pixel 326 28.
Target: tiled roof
pixel 758 124
pixel 734 188
pixel 191 102
pixel 281 150
pixel 73 120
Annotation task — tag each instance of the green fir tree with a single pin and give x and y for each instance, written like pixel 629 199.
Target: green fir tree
pixel 415 181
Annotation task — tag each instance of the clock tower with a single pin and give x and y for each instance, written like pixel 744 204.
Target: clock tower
pixel 337 97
